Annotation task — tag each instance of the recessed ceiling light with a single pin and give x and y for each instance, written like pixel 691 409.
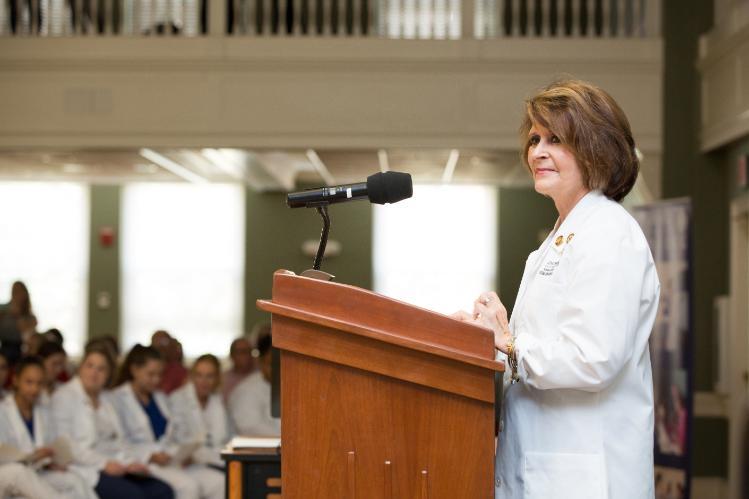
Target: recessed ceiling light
pixel 73 168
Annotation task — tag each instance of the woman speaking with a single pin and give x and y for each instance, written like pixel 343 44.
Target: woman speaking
pixel 578 417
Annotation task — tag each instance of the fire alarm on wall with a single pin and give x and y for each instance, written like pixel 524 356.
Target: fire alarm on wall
pixel 106 236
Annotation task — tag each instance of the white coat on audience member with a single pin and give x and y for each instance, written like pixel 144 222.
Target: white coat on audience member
pixel 192 482
pixel 13 432
pixel 580 421
pixel 249 408
pixel 76 417
pixel 19 480
pixel 208 425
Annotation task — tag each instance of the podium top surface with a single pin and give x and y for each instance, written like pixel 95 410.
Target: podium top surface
pixel 365 313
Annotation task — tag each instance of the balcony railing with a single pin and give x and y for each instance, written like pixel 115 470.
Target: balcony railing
pixel 401 19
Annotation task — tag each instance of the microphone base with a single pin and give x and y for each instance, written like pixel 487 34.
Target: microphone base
pixel 317 274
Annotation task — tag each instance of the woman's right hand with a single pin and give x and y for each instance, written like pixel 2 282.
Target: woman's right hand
pixel 42 453
pixel 114 468
pixel 137 469
pixel 160 458
pixel 462 316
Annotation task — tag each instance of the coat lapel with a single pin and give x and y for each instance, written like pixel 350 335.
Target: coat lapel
pixel 574 219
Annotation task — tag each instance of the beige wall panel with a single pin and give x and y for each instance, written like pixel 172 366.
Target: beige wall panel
pixel 311 93
pixel 724 64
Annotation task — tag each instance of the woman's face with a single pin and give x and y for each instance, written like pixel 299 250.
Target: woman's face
pixel 54 365
pixel 205 378
pixel 94 372
pixel 148 376
pixel 29 384
pixel 555 170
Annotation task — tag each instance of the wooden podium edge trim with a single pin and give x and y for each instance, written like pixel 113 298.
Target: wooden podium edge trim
pixel 371 333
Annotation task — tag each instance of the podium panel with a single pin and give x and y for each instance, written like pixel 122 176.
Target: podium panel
pixel 380 399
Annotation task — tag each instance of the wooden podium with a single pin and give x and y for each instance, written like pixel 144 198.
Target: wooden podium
pixel 380 399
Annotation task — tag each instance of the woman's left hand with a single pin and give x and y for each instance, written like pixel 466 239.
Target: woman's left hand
pixel 489 312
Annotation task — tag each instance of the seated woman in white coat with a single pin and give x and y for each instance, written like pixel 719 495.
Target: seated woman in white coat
pixel 26 426
pixel 18 480
pixel 82 412
pixel 249 403
pixel 199 412
pixel 578 419
pixel 147 423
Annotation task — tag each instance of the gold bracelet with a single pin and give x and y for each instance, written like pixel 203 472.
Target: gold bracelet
pixel 512 358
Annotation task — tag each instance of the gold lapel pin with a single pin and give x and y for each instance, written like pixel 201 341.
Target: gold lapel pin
pixel 569 238
pixel 559 240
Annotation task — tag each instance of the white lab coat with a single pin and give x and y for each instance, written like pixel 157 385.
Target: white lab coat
pixel 193 482
pixel 17 480
pixel 193 423
pixel 580 422
pixel 136 425
pixel 13 432
pixel 75 416
pixel 249 408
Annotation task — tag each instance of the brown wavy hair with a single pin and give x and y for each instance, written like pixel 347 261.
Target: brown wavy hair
pixel 591 124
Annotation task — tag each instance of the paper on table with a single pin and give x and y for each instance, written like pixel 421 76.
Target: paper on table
pixel 255 442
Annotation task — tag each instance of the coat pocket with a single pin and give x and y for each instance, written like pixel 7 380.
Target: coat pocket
pixel 548 475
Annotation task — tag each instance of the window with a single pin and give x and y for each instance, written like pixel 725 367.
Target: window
pixel 183 264
pixel 437 250
pixel 45 244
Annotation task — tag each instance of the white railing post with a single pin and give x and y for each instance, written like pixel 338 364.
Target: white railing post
pixel 425 16
pixel 530 18
pixel 591 5
pixel 296 25
pixel 467 19
pixel 607 15
pixel 515 22
pixel 217 17
pixel 312 23
pixel 653 18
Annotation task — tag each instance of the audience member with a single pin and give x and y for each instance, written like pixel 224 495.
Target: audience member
pixel 175 373
pixel 242 365
pixel 53 358
pixel 199 412
pixel 32 343
pixel 82 411
pixel 250 402
pixel 108 342
pixel 15 318
pixel 27 426
pixel 147 423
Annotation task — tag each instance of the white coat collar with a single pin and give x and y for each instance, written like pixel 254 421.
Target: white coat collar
pixel 137 410
pixel 563 234
pixel 19 426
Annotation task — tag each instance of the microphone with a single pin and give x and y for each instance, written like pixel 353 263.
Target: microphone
pixel 380 188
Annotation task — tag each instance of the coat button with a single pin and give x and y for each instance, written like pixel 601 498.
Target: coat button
pixel 501 425
pixel 498 482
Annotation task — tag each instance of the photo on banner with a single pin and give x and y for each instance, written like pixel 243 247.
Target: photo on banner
pixel 667 228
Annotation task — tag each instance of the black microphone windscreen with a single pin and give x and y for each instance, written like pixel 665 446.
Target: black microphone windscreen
pixel 389 187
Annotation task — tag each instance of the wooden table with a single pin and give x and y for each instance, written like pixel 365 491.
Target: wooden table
pixel 253 473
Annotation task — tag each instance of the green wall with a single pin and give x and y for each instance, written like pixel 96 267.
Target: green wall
pixel 275 234
pixel 523 214
pixel 104 262
pixel 688 172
